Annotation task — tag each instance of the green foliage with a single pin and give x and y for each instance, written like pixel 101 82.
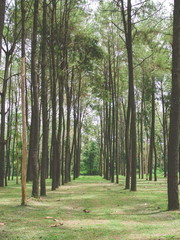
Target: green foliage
pixel 86 50
pixel 91 159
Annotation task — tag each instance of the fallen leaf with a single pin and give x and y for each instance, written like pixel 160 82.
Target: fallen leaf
pixel 86 211
pixel 57 225
pixel 56 220
pixel 59 221
pixel 48 217
pixel 2 224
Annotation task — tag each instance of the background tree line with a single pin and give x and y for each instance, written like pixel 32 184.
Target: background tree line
pixel 95 93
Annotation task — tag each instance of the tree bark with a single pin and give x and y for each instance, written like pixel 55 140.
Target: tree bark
pixel 151 150
pixel 164 132
pixel 173 148
pixel 45 122
pixel 130 135
pixel 23 100
pixel 35 117
pixel 54 104
pixel 2 14
pixel 2 136
pixel 8 136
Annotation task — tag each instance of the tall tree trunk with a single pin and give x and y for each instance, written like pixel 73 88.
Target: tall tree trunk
pixel 23 100
pixel 60 127
pixel 141 133
pixel 155 163
pixel 79 141
pixel 54 104
pixel 151 150
pixel 173 148
pixel 179 163
pixel 2 14
pixel 107 142
pixel 101 144
pixel 9 133
pixel 35 117
pixel 17 147
pixel 67 148
pixel 111 118
pixel 63 150
pixel 3 113
pixel 164 132
pixel 130 136
pixel 146 160
pixel 68 89
pixel 29 165
pixel 75 138
pixel 45 122
pixel 131 99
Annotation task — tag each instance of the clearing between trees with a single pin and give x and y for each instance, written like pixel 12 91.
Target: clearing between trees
pixel 89 208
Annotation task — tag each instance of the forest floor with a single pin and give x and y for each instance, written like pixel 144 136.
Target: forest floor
pixel 89 208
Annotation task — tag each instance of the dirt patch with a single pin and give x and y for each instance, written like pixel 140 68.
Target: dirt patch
pixel 84 222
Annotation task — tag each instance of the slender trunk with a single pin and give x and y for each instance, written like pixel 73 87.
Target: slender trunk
pixel 74 141
pixel 45 122
pixel 179 163
pixel 2 14
pixel 151 150
pixel 3 116
pixel 60 129
pixel 79 142
pixel 130 135
pixel 132 99
pixel 139 145
pixel 117 142
pixel 9 132
pixel 146 160
pixel 35 118
pixel 67 152
pixel 29 166
pixel 101 145
pixel 155 163
pixel 17 149
pixel 164 133
pixel 174 131
pixel 63 150
pixel 54 105
pixel 107 146
pixel 23 101
pixel 141 133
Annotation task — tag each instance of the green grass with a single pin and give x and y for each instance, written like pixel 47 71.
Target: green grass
pixel 112 212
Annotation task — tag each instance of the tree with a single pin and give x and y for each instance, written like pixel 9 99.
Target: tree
pixel 2 14
pixel 35 110
pixel 151 151
pixel 90 159
pixel 75 73
pixel 23 97
pixel 131 110
pixel 8 60
pixel 55 155
pixel 44 94
pixel 173 147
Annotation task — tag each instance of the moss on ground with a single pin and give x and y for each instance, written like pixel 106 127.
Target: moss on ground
pixel 89 208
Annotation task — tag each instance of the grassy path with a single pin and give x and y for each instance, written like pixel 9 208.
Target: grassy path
pixel 89 208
